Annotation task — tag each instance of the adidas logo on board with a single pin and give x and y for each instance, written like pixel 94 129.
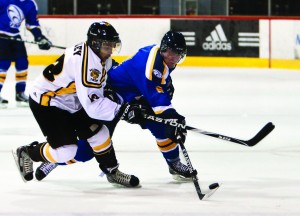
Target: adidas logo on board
pixel 217 40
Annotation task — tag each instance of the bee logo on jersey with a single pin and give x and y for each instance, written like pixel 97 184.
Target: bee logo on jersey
pixel 157 73
pixel 95 74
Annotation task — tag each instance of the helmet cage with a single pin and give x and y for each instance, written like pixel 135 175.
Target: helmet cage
pixel 179 51
pixel 96 44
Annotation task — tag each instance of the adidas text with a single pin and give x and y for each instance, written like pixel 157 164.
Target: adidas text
pixel 217 46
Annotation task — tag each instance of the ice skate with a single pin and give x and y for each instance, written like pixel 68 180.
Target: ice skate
pixel 3 103
pixel 119 178
pixel 44 169
pixel 180 171
pixel 22 100
pixel 24 163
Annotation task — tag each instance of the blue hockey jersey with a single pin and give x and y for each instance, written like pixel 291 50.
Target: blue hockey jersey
pixel 145 74
pixel 13 12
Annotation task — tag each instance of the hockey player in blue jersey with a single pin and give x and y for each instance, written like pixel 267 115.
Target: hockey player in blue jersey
pixel 145 80
pixel 12 13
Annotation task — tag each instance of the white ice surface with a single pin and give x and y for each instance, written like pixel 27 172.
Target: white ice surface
pixel 263 180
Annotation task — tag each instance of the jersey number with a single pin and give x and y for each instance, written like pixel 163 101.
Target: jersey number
pixel 54 69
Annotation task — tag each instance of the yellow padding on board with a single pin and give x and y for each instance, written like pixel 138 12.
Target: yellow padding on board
pixel 286 64
pixel 225 62
pixel 193 61
pixel 42 60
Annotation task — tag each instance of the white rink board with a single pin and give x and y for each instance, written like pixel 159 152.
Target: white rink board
pixel 135 33
pixel 139 32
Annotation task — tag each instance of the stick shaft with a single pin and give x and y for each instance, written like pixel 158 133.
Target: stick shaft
pixel 252 142
pixel 191 169
pixel 26 41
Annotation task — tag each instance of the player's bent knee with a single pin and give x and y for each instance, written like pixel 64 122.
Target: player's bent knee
pixel 99 137
pixel 63 153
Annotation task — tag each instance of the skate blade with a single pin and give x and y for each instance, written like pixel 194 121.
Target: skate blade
pixel 22 104
pixel 181 178
pixel 17 164
pixel 116 185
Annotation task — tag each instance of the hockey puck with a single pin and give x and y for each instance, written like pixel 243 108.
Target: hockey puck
pixel 213 186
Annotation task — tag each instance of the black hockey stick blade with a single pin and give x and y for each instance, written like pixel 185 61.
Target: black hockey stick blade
pixel 203 196
pixel 210 193
pixel 252 142
pixel 261 134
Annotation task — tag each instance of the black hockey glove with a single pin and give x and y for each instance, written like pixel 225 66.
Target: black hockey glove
pixel 180 132
pixel 111 94
pixel 132 113
pixel 43 42
pixel 177 134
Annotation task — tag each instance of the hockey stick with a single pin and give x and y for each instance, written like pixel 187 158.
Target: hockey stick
pixel 251 142
pixel 201 195
pixel 26 41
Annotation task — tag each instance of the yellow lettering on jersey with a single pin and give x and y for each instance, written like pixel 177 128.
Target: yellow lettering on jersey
pixel 46 97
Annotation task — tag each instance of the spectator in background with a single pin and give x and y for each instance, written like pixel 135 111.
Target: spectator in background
pixel 12 49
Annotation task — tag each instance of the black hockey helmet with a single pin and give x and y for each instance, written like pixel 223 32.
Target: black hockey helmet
pixel 100 33
pixel 174 41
